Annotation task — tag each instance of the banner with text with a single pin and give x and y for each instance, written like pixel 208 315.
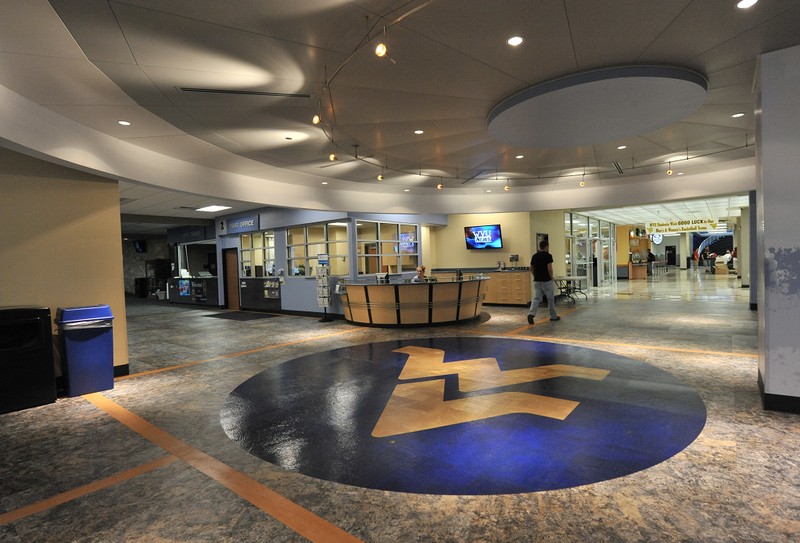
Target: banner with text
pixel 678 226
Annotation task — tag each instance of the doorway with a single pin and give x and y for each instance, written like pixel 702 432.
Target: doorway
pixel 670 252
pixel 230 271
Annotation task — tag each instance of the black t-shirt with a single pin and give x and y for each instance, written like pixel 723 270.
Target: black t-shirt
pixel 539 262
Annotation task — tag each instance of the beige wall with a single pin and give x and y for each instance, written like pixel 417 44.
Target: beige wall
pixel 552 224
pixel 449 249
pixel 61 244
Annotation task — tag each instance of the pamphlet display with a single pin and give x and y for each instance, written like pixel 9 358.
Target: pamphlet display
pixel 324 286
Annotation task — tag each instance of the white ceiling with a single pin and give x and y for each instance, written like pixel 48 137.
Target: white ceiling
pixel 725 209
pixel 94 62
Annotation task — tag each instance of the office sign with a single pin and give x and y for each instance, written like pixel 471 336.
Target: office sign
pixel 242 224
pixel 678 226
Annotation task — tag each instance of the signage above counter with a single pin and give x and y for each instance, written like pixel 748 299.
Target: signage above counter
pixel 679 226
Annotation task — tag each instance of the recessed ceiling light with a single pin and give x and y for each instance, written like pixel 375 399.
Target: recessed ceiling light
pixel 406 190
pixel 680 173
pixel 520 156
pixel 621 147
pixel 212 208
pixel 324 182
pixel 488 190
pixel 419 132
pixel 744 4
pixel 514 41
pixel 124 123
pixel 737 115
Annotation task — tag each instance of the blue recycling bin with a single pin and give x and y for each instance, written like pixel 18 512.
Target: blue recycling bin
pixel 87 348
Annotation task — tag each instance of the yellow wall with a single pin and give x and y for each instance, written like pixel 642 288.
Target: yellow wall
pixel 623 235
pixel 552 224
pixel 61 244
pixel 449 249
pixel 445 247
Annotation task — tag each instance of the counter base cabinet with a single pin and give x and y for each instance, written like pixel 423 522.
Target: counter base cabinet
pixel 260 294
pixel 196 290
pixel 637 271
pixel 509 288
pixel 413 304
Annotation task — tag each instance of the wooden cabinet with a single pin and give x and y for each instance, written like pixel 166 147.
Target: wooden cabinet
pixel 510 287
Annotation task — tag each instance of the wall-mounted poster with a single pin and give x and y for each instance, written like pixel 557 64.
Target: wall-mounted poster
pixel 184 287
pixel 540 238
pixel 634 242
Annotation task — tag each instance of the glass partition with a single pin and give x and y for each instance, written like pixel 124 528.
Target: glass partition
pixel 304 244
pixel 387 247
pixel 257 255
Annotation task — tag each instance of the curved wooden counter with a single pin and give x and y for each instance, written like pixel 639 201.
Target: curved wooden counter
pixel 412 304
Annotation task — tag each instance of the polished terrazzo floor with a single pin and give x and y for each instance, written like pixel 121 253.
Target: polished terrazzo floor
pixel 149 461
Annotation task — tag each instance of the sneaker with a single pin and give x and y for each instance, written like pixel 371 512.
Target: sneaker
pixel 530 319
pixel 555 318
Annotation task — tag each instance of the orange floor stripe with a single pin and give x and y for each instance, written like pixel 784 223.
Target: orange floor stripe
pixel 234 355
pixel 81 491
pixel 302 521
pixel 641 345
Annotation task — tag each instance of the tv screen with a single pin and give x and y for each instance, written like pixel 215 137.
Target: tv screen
pixel 487 236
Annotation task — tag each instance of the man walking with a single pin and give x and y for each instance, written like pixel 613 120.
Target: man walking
pixel 542 271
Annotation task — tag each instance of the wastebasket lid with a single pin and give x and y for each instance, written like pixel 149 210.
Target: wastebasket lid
pixel 73 314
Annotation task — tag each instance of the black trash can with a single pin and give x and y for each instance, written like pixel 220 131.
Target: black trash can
pixel 27 373
pixel 87 348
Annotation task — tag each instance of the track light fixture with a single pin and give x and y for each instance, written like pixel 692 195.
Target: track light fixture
pixel 507 187
pixel 669 168
pixel 380 177
pixel 332 157
pixel 316 119
pixel 439 186
pixel 381 50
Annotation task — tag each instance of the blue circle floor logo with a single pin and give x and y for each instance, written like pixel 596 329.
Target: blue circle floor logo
pixel 471 416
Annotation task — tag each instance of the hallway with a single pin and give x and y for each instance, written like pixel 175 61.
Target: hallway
pixel 149 461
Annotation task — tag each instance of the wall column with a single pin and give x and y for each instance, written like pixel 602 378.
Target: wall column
pixel 778 246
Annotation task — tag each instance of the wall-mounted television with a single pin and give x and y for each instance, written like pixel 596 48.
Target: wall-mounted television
pixel 485 236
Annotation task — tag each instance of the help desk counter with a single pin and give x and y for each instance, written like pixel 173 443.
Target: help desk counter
pixel 379 301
